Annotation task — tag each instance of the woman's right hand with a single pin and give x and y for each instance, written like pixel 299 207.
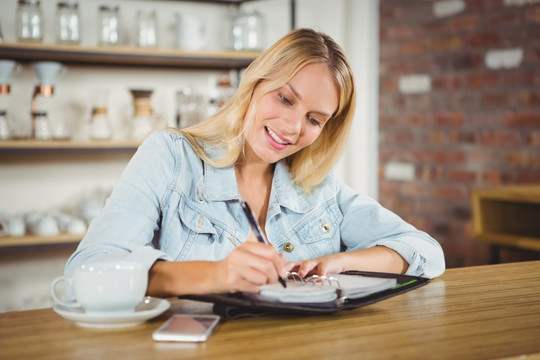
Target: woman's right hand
pixel 248 267
pixel 245 269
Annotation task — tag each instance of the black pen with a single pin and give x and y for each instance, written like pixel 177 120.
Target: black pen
pixel 257 231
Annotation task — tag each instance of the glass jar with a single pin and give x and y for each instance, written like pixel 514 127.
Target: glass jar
pixel 67 23
pixel 60 129
pixel 109 25
pixel 248 30
pixel 189 106
pixel 147 29
pixel 99 124
pixel 41 129
pixel 5 132
pixel 29 21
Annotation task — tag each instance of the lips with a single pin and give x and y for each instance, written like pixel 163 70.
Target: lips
pixel 279 140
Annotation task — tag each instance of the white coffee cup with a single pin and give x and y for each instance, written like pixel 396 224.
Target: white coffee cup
pixel 191 32
pixel 107 287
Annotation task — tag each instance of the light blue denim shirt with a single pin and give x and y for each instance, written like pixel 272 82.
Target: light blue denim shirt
pixel 171 205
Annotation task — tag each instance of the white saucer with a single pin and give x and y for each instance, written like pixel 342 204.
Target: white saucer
pixel 147 309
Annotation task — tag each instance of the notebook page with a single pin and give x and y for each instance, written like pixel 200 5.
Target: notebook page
pixel 357 286
pixel 299 293
pixel 315 290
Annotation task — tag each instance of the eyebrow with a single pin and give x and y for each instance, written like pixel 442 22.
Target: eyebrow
pixel 297 94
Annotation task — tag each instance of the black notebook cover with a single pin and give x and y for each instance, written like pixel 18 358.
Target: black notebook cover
pixel 239 305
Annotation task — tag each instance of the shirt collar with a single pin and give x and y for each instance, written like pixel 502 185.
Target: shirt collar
pixel 219 184
pixel 287 194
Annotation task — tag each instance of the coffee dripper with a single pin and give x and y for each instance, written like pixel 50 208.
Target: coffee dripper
pixel 7 68
pixel 47 72
pixel 144 120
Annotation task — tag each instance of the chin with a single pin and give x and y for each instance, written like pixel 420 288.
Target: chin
pixel 270 158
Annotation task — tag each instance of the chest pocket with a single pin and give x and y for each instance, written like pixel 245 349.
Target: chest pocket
pixel 317 233
pixel 201 239
pixel 196 221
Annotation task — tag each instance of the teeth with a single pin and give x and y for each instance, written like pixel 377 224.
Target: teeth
pixel 275 137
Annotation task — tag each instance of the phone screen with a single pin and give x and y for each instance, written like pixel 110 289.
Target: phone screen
pixel 186 328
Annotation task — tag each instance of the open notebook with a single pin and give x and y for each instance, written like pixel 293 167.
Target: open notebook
pixel 317 289
pixel 348 290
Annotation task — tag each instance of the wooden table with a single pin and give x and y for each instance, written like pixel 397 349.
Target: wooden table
pixel 482 312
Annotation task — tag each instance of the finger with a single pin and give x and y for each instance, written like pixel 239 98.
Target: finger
pixel 244 285
pixel 280 262
pixel 306 267
pixel 259 269
pixel 238 273
pixel 292 266
pixel 268 252
pixel 322 269
pixel 258 278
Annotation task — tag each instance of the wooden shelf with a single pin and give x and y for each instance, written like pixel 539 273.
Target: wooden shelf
pixel 31 145
pixel 508 216
pixel 31 240
pixel 173 58
pixel 522 242
pixel 126 55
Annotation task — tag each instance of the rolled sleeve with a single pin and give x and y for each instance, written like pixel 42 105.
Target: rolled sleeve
pixel 367 224
pixel 125 228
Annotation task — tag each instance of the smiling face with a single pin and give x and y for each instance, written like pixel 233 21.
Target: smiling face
pixel 292 117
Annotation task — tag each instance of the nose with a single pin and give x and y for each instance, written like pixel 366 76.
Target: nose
pixel 294 123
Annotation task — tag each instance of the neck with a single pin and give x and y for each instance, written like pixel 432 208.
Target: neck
pixel 251 168
pixel 254 179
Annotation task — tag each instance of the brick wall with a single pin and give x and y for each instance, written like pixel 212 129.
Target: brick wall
pixel 459 109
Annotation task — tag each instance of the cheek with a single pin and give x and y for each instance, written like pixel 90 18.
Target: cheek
pixel 310 135
pixel 266 108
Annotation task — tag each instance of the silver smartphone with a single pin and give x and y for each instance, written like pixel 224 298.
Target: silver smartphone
pixel 186 327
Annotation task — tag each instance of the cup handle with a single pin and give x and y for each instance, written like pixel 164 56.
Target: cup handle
pixel 72 304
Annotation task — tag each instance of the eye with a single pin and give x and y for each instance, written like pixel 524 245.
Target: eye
pixel 314 121
pixel 284 99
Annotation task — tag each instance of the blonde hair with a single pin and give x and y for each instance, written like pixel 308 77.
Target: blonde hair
pixel 277 66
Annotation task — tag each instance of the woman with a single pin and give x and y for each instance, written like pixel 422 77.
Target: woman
pixel 177 206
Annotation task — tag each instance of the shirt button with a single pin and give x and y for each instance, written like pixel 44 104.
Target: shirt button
pixel 288 247
pixel 325 228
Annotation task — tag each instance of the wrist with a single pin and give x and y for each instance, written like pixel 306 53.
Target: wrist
pixel 167 278
pixel 377 258
pixel 344 261
pixel 157 280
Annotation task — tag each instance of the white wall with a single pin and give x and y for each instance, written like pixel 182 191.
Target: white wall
pixel 354 25
pixel 361 43
pixel 39 184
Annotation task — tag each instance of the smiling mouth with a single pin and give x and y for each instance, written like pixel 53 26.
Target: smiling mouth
pixel 275 137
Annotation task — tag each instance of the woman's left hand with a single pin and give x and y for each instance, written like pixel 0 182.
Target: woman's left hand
pixel 320 266
pixel 377 258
